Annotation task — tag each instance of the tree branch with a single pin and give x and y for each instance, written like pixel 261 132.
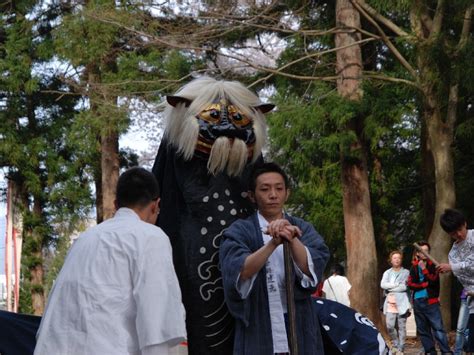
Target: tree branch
pixel 466 28
pixel 416 22
pixel 377 76
pixel 248 22
pixel 453 98
pixel 180 43
pixel 386 40
pixel 168 43
pixel 382 19
pixel 438 19
pixel 279 71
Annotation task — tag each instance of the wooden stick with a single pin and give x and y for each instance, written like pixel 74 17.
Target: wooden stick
pixel 290 298
pixel 433 260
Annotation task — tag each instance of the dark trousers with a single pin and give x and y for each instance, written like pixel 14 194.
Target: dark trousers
pixel 428 324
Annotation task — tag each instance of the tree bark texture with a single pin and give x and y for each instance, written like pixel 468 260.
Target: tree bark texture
pixel 359 232
pixel 110 171
pixel 107 174
pixel 99 209
pixel 439 117
pixel 428 180
pixel 36 270
pixel 37 288
pixel 439 141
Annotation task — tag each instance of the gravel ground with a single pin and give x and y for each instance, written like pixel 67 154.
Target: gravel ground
pixel 413 344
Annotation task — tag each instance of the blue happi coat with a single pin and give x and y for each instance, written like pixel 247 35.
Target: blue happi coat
pixel 253 327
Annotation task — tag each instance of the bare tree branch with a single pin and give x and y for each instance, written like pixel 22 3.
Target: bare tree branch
pixel 277 28
pixel 438 19
pixel 386 40
pixel 453 100
pixel 279 71
pixel 466 28
pixel 382 19
pixel 204 32
pixel 427 23
pixel 416 22
pixel 196 40
pixel 167 43
pixel 174 43
pixel 378 76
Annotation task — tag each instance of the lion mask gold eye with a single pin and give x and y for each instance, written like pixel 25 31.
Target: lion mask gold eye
pixel 237 117
pixel 211 113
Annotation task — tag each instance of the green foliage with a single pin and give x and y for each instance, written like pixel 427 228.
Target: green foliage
pixel 392 130
pixel 464 153
pixel 140 74
pixel 93 39
pixel 25 305
pixel 176 65
pixel 35 121
pixel 387 120
pixel 51 119
pixel 304 138
pixel 397 6
pixel 308 135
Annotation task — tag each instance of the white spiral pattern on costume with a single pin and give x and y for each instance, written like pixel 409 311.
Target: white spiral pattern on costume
pixel 220 326
pixel 209 292
pixel 364 320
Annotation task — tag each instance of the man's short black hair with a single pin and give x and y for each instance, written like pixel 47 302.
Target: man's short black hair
pixel 269 167
pixel 136 187
pixel 451 220
pixel 337 269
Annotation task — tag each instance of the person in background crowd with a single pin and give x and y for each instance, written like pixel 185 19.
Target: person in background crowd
pixel 461 260
pixel 337 286
pixel 424 281
pixel 397 305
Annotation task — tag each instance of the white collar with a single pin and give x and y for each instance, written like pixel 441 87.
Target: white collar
pixel 126 212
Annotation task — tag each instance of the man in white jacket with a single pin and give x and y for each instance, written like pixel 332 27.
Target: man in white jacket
pixel 461 259
pixel 117 292
pixel 337 286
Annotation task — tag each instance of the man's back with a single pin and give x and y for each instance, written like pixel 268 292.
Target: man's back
pixel 114 293
pixel 337 289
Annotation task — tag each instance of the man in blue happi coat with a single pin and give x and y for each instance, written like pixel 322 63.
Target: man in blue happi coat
pixel 251 258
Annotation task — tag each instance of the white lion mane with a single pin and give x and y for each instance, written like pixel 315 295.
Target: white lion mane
pixel 182 128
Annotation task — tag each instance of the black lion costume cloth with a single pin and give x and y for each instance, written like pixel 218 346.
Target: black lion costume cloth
pixel 214 135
